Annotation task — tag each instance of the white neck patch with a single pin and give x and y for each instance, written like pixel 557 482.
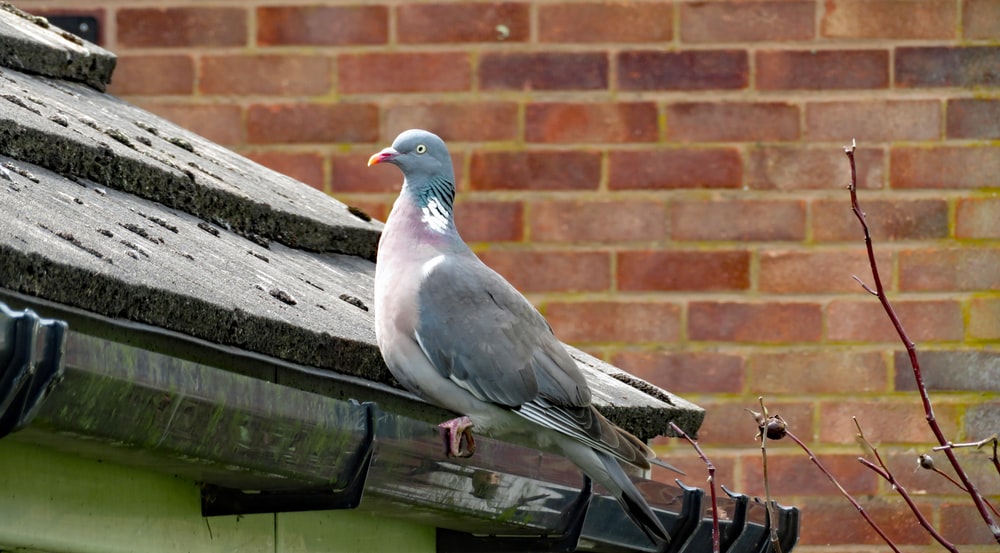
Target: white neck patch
pixel 435 216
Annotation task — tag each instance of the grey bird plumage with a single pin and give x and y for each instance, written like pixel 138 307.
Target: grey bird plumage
pixel 457 334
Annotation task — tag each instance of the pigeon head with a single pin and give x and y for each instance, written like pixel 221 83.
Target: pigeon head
pixel 428 177
pixel 420 155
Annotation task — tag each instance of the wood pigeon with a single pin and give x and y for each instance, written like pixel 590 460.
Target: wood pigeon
pixel 458 335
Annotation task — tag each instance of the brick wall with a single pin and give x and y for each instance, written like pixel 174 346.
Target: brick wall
pixel 665 180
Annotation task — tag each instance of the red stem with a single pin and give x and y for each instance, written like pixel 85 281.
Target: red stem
pixel 716 544
pixel 909 501
pixel 861 510
pixel 911 351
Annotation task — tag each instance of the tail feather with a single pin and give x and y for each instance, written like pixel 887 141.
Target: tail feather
pixel 632 502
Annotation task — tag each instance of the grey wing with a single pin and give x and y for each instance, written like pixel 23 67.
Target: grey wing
pixel 481 333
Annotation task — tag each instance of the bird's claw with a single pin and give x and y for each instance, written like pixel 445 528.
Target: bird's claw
pixel 453 431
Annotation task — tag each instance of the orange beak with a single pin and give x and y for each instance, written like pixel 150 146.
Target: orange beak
pixel 386 154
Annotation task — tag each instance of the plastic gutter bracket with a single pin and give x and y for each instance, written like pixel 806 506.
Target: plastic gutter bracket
pixel 788 529
pixel 221 501
pixel 684 531
pixel 738 525
pixel 33 366
pixel 452 541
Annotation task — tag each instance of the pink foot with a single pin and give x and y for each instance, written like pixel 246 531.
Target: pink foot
pixel 453 431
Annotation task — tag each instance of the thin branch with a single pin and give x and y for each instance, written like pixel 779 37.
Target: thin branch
pixel 762 423
pixel 716 543
pixel 925 461
pixel 978 445
pixel 829 475
pixel 882 470
pixel 911 351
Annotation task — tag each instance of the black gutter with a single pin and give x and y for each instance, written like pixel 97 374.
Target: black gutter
pixel 260 445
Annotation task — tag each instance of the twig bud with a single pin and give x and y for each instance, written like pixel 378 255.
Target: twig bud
pixel 925 461
pixel 776 428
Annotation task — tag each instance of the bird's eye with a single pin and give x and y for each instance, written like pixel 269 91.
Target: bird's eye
pixel 421 148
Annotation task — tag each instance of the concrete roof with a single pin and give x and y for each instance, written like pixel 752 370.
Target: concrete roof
pixel 110 209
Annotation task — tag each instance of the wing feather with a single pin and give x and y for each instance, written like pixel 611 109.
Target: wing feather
pixel 485 336
pixel 481 333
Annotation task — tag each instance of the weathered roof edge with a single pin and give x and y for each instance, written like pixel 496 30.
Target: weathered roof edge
pixel 302 451
pixel 67 57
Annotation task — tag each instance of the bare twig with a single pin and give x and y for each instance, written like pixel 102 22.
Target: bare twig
pixel 882 470
pixel 978 445
pixel 845 493
pixel 925 461
pixel 716 543
pixel 765 431
pixel 911 351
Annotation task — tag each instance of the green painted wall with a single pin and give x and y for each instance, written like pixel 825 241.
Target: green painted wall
pixel 61 503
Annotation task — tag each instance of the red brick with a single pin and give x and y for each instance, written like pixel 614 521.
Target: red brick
pixel 981 420
pixel 732 121
pixel 728 423
pixel 322 25
pixel 816 372
pixel 866 321
pixel 181 26
pixel 536 170
pixel 793 474
pixel 455 121
pixel 608 21
pixel 218 123
pixel 489 221
pixel 977 218
pixel 591 122
pixel 685 70
pixel 981 19
pixel 895 219
pixel 928 19
pixel 973 118
pixel 764 220
pixel 962 524
pixel 546 271
pixel 842 524
pixel 303 166
pixel 945 167
pixel 265 74
pixel 737 21
pixel 972 370
pixel 350 173
pixel 456 22
pixel 934 66
pixel 685 372
pixel 984 318
pixel 153 75
pixel 811 272
pixel 675 168
pixel 683 270
pixel 404 72
pixel 873 121
pixel 949 270
pixel 596 221
pixel 883 421
pixel 609 321
pixel 822 69
pixel 543 71
pixel 806 167
pixel 311 123
pixel 775 322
